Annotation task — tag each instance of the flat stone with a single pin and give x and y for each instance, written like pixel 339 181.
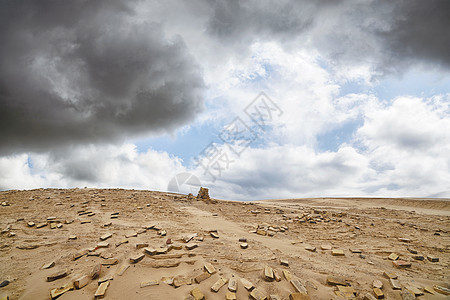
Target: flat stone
pixel 149 283
pixel 358 251
pixel 413 251
pixel 378 293
pixel 40 225
pixel 210 268
pixel 110 261
pixel 55 293
pixel 141 245
pixel 441 290
pixel 121 242
pixel 122 269
pixel 191 246
pixel 101 290
pixel 189 237
pixel 369 296
pixel 137 258
pixel 105 236
pixel 337 252
pixel 150 251
pixel 181 280
pixel 103 245
pixel 274 297
pixel 244 245
pixel 261 232
pixel 401 264
pixel 134 234
pixel 80 254
pixel 432 258
pixel 48 265
pixel 389 275
pixel 51 218
pixel 310 248
pixel 284 262
pixel 203 276
pixel 218 284
pixel 81 282
pixel 30 224
pixel 393 256
pixel 85 221
pixel 141 231
pixel 167 280
pixel 197 294
pixel 377 284
pixel 407 295
pixel 257 295
pixel 276 275
pixel 107 224
pixel 334 280
pixel 414 290
pixel 298 286
pixel 230 296
pixel 162 233
pixel 404 240
pixel 243 240
pixel 287 275
pixel 348 291
pixel 58 275
pixel 214 235
pixel 325 247
pixel 268 273
pixel 419 257
pixel 232 284
pixel 72 237
pixel 299 296
pixel 395 284
pixel 247 284
pixel 429 290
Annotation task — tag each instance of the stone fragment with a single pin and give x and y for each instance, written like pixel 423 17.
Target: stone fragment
pixel 121 242
pixel 334 280
pixel 149 283
pixel 81 282
pixel 284 262
pixel 141 245
pixel 232 284
pixel 214 235
pixel 419 257
pixel 411 250
pixel 72 237
pixel 218 284
pixel 167 280
pixel 197 294
pixel 404 240
pixel 378 293
pixel 429 290
pixel 57 275
pixel 299 296
pixel 377 284
pixel 191 246
pixel 276 275
pixel 261 232
pixel 55 293
pixel 103 245
pixel 441 290
pixel 210 268
pixel 106 278
pixel 105 236
pixel 287 275
pixel 30 224
pixel 358 251
pixel 101 290
pixel 337 252
pixel 389 275
pixel 244 245
pixel 243 240
pixel 310 248
pixel 401 264
pixel 274 297
pixel 268 273
pixel 407 295
pixel 85 221
pixel 150 251
pixel 162 250
pixel 203 276
pixel 348 291
pixel 432 258
pixel 369 296
pixel 230 296
pixel 393 256
pixel 298 286
pixel 48 265
pixel 247 284
pixel 189 237
pixel 122 269
pixel 395 284
pixel 415 291
pixel 40 225
pixel 136 258
pixel 181 280
pixel 257 295
pixel 110 261
pixel 96 271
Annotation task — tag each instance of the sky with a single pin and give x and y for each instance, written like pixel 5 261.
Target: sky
pixel 253 99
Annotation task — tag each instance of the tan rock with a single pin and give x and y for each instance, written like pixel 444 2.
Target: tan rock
pixel 378 293
pixel 103 245
pixel 191 246
pixel 218 284
pixel 400 264
pixel 395 284
pixel 377 284
pixel 210 268
pixel 57 275
pixel 105 236
pixel 55 293
pixel 337 252
pixel 230 296
pixel 81 282
pixel 232 284
pixel 48 265
pixel 369 296
pixel 335 280
pixel 299 296
pixel 287 275
pixel 141 245
pixel 268 273
pixel 257 295
pixel 96 271
pixel 197 294
pixel 136 258
pixel 110 261
pixel 203 276
pixel 101 290
pixel 393 256
pixel 389 275
pixel 149 283
pixel 150 251
pixel 122 269
pixel 298 286
pixel 181 280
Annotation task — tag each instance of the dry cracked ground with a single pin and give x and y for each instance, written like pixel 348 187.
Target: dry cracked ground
pixel 154 245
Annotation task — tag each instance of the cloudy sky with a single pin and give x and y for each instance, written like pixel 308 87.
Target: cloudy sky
pixel 254 99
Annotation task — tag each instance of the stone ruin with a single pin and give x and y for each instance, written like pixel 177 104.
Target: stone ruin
pixel 203 194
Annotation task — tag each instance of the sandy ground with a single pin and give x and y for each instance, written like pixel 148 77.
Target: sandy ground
pixel 374 226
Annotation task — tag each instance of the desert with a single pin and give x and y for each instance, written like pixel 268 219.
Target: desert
pixel 137 244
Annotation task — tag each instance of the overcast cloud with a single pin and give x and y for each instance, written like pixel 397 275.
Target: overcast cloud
pixel 84 83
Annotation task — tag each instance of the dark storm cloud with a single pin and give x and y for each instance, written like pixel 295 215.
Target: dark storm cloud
pixel 389 35
pixel 87 71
